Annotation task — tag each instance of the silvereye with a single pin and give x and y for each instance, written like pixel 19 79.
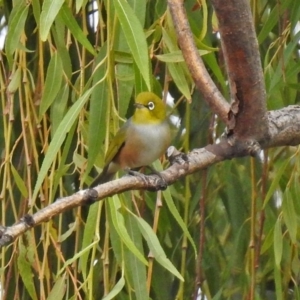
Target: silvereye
pixel 141 140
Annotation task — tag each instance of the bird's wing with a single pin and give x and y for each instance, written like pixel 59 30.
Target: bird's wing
pixel 117 143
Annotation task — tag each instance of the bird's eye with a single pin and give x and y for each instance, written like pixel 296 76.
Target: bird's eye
pixel 151 105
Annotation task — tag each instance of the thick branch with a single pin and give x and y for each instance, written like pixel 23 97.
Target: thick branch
pixel 194 62
pixel 283 130
pixel 283 127
pixel 242 59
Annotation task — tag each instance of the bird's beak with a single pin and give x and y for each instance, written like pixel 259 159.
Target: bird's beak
pixel 139 105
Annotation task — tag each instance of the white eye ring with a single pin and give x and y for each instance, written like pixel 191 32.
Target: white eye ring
pixel 151 105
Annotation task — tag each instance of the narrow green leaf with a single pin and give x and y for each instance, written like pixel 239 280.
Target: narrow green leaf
pixel 79 160
pixel 274 185
pixel 80 4
pixel 155 247
pixel 135 38
pixel 59 32
pixel 36 9
pixel 59 289
pixel 295 14
pixel 25 271
pixel 213 64
pixel 50 10
pixel 272 20
pixel 73 26
pixel 139 8
pixel 118 223
pixel 98 111
pixel 278 243
pixel 89 234
pixel 59 107
pixel 134 268
pixel 116 289
pixel 289 215
pixel 172 208
pixel 278 283
pixel 117 245
pixel 178 76
pixel 176 56
pixel 139 82
pixel 276 79
pixel 19 182
pixel 176 69
pixel 16 24
pixel 71 228
pixel 77 256
pixel 125 83
pixel 204 21
pixel 267 242
pixel 15 81
pixel 59 138
pixel 123 57
pixel 63 166
pixel 218 295
pixel 52 84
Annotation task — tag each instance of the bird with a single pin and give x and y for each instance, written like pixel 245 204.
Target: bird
pixel 140 141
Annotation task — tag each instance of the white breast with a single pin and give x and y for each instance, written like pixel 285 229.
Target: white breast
pixel 153 142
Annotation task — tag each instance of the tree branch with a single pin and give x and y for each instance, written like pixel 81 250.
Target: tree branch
pixel 194 62
pixel 283 129
pixel 242 60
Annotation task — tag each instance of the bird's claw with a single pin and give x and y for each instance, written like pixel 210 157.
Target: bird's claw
pixel 159 184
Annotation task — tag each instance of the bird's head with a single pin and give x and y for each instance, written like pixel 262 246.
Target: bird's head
pixel 150 109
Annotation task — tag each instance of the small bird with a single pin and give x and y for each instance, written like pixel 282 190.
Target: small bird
pixel 140 141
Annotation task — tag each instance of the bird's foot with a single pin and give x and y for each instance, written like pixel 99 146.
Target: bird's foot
pixel 159 183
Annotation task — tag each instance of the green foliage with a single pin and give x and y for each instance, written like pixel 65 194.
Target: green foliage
pixel 68 78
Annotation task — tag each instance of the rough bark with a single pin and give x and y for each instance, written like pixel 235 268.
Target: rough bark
pixel 283 127
pixel 245 74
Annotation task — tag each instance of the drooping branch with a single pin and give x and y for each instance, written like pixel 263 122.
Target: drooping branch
pixel 284 130
pixel 242 60
pixel 194 62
